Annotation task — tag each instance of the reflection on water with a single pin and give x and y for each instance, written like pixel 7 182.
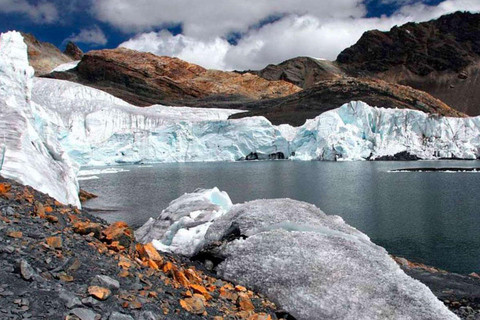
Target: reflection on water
pixel 430 217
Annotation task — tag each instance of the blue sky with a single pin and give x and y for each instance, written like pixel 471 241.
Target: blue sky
pixel 222 34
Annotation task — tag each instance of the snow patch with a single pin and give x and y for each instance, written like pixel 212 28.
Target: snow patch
pixel 66 66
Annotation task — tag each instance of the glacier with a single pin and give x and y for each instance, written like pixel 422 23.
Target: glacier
pixel 312 265
pixel 96 129
pixel 30 154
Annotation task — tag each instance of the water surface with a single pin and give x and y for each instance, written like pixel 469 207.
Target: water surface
pixel 429 217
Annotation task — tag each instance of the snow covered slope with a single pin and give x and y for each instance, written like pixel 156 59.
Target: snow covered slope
pixel 31 156
pixel 312 265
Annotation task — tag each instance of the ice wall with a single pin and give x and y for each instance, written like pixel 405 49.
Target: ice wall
pixel 31 157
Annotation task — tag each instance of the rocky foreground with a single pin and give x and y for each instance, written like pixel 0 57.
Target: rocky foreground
pixel 59 262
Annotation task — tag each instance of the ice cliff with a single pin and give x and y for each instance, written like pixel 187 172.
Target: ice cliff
pixel 98 129
pixel 310 264
pixel 30 154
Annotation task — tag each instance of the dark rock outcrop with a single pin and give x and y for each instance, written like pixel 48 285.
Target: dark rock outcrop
pixel 145 79
pixel 441 57
pixel 73 51
pixel 330 94
pixel 62 269
pixel 43 56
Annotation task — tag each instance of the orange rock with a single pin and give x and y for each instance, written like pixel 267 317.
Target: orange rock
pixel 123 274
pixel 119 231
pixel 86 227
pixel 260 316
pixel 227 293
pixel 195 304
pixel 153 265
pixel 240 288
pixel 65 277
pixel 179 276
pixel 51 219
pixel 192 276
pixel 48 209
pixel 148 252
pixel 200 290
pixel 244 303
pixel 15 234
pixel 5 187
pixel 124 262
pixel 99 293
pixel 167 267
pixel 54 242
pixel 136 305
pixel 39 210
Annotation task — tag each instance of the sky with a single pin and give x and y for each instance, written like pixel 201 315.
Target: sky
pixel 219 34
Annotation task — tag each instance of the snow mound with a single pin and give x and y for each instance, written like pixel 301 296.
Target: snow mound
pixel 182 226
pixel 310 264
pixel 31 156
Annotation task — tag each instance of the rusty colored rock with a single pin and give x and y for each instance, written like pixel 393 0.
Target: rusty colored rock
pixel 195 304
pixel 54 242
pixel 244 303
pixel 5 187
pixel 15 234
pixel 86 227
pixel 85 195
pixel 51 219
pixel 99 293
pixel 200 290
pixel 119 231
pixel 260 316
pixel 148 252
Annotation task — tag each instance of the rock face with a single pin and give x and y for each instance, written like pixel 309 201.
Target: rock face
pixel 73 51
pixel 328 94
pixel 310 264
pixel 441 57
pixel 145 79
pixel 43 56
pixel 302 71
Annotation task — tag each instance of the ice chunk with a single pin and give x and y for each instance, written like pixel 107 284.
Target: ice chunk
pixel 182 226
pixel 32 156
pixel 66 66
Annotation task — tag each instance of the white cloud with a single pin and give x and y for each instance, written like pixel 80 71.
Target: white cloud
pixel 93 35
pixel 42 12
pixel 318 34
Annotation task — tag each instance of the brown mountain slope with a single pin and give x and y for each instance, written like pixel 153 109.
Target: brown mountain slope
pixel 301 71
pixel 43 56
pixel 441 57
pixel 330 94
pixel 145 79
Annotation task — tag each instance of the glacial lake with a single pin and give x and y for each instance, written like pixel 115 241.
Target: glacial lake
pixel 428 217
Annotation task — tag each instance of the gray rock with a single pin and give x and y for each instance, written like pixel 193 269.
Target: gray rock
pixel 105 281
pixel 71 301
pixel 148 315
pixel 90 301
pixel 119 316
pixel 26 270
pixel 84 314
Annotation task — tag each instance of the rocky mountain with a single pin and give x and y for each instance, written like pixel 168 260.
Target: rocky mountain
pixel 441 57
pixel 43 56
pixel 329 94
pixel 73 51
pixel 145 79
pixel 301 71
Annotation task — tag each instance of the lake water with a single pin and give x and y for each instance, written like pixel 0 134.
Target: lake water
pixel 429 217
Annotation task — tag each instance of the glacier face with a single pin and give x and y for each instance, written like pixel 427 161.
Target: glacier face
pixel 96 128
pixel 310 264
pixel 356 131
pixel 31 155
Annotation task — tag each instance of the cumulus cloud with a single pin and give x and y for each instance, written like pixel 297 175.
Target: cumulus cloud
pixel 93 36
pixel 40 12
pixel 311 32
